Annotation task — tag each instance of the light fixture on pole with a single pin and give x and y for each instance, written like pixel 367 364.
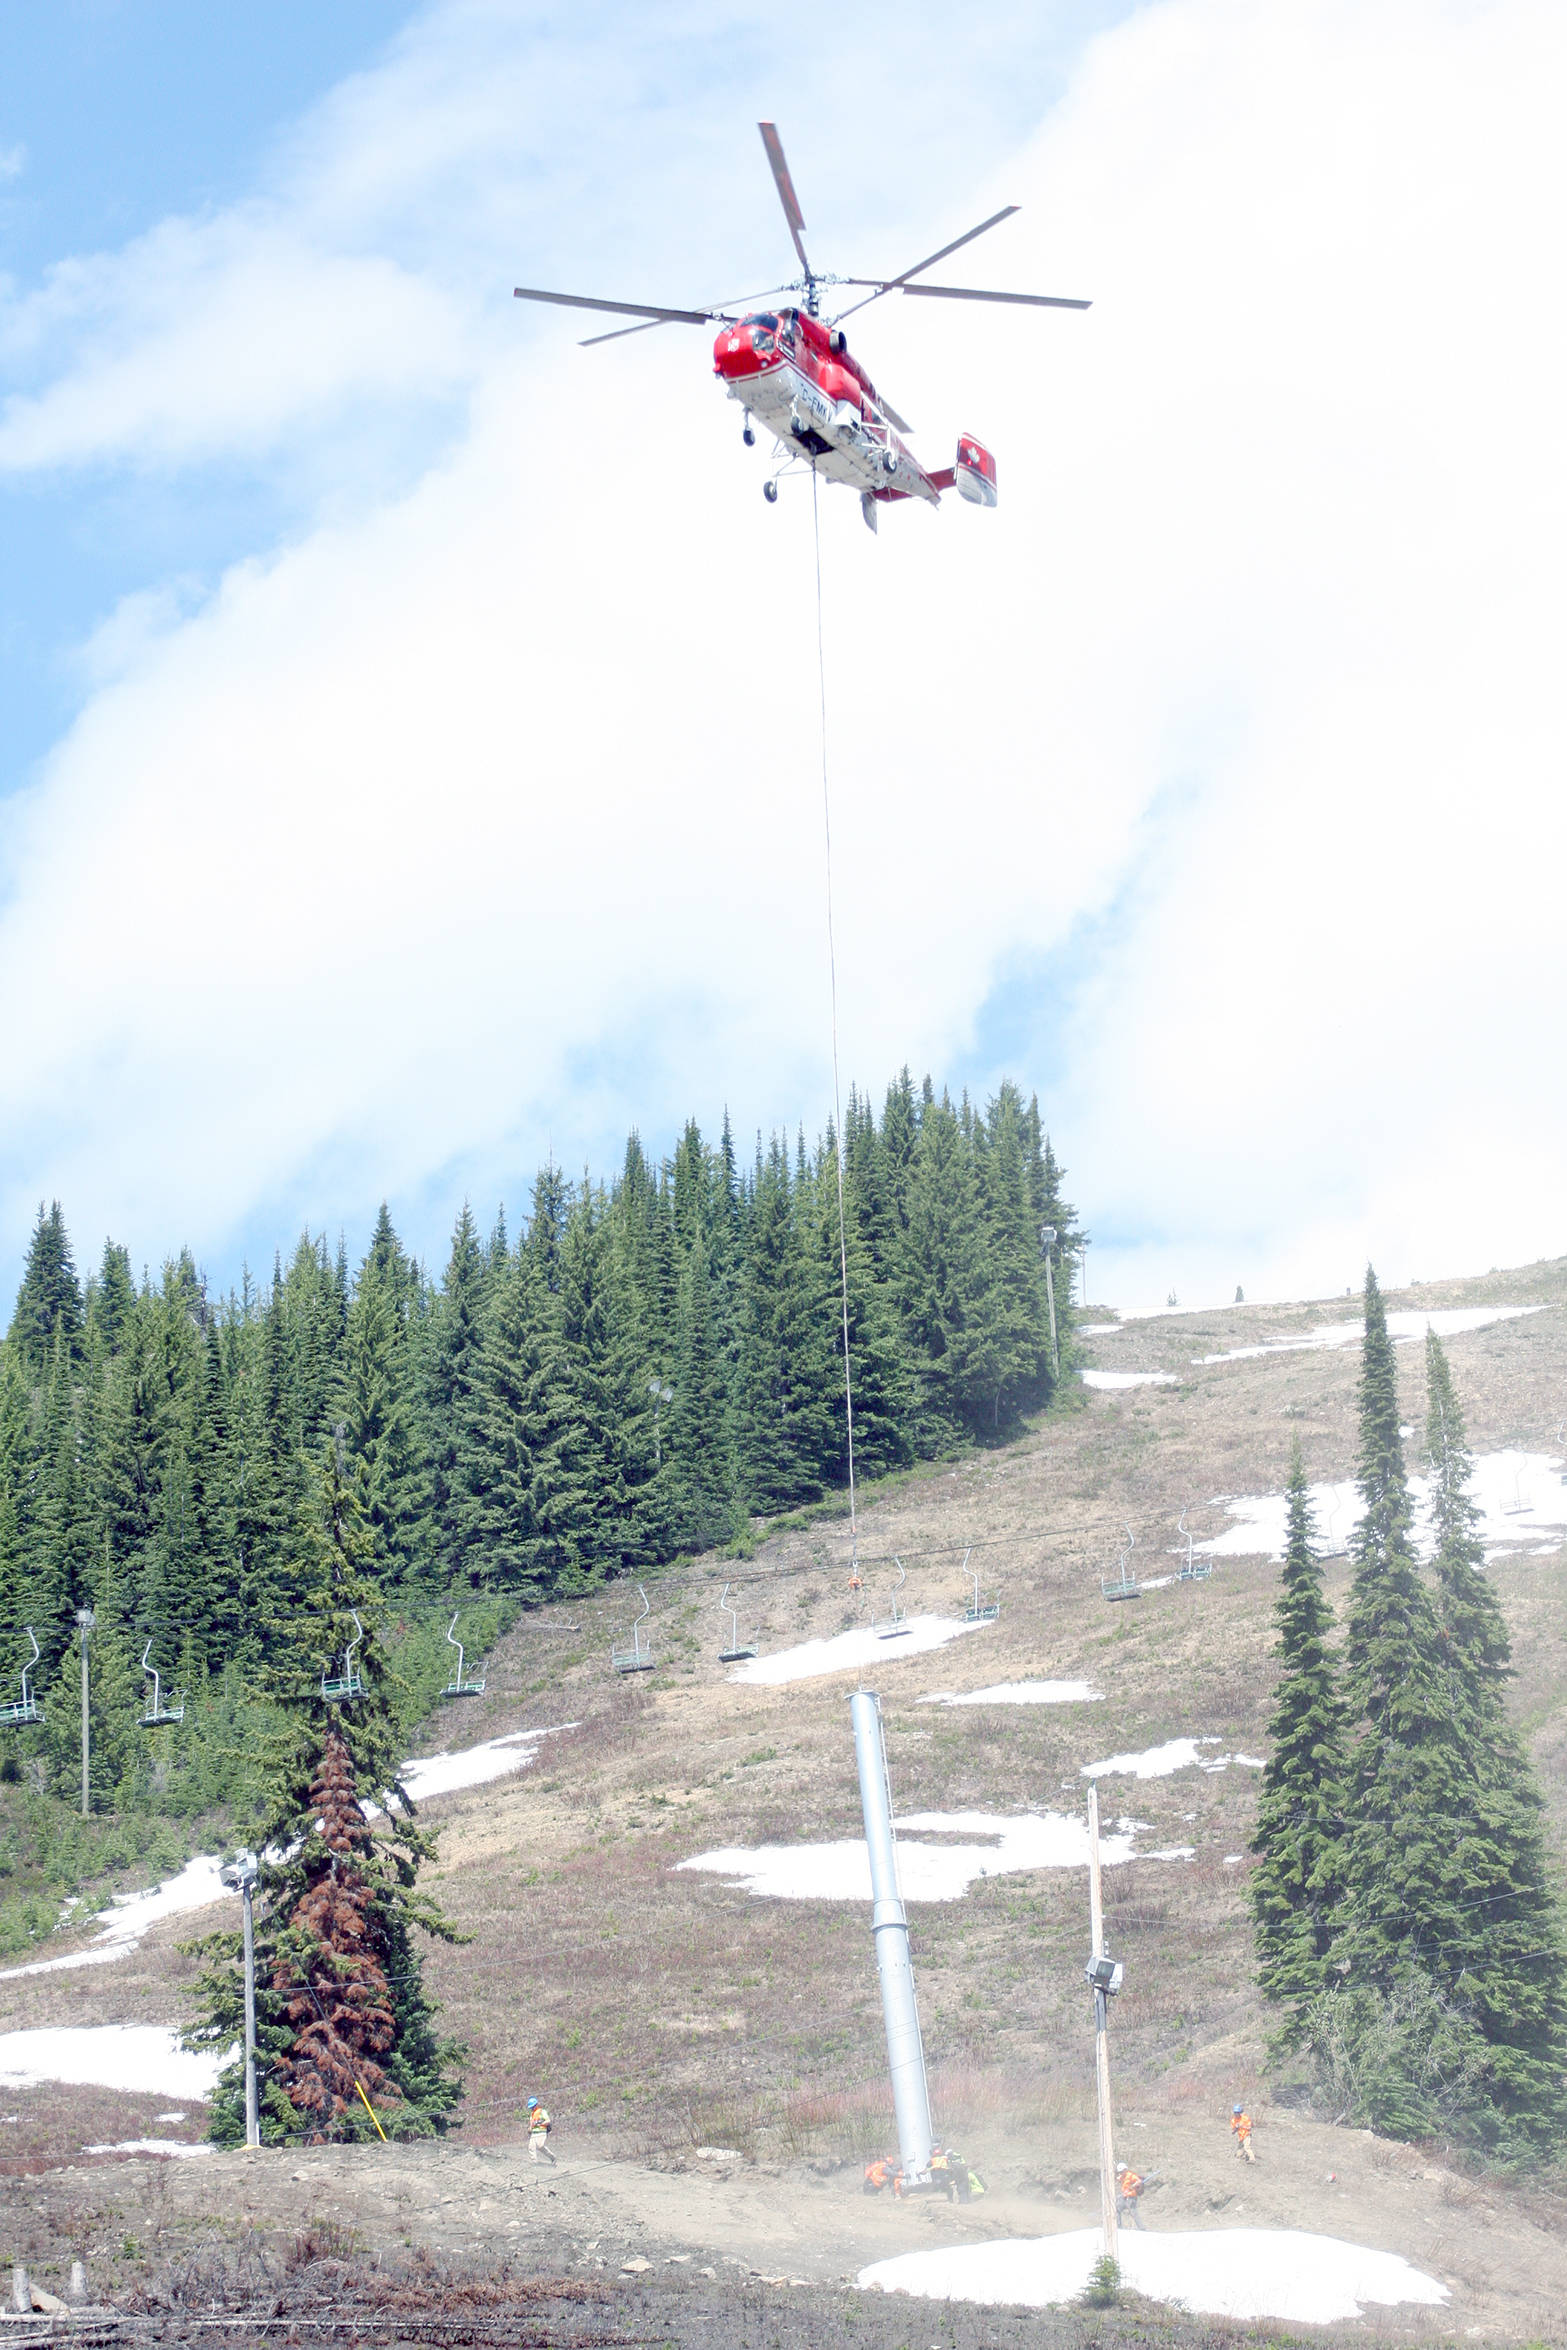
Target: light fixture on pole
pixel 240 1876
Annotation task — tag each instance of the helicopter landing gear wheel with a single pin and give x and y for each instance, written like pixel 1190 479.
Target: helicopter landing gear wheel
pixel 748 433
pixel 889 460
pixel 770 492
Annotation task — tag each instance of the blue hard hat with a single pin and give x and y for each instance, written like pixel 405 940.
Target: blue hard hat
pixel 533 2101
pixel 1233 2108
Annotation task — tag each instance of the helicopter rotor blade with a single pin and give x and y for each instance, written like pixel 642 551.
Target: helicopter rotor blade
pixel 785 186
pixel 986 294
pixel 892 415
pixel 643 326
pixel 732 303
pixel 887 285
pixel 652 312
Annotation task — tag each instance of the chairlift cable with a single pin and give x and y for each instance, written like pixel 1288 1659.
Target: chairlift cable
pixel 832 981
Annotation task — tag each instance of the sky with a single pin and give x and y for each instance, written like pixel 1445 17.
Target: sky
pixel 409 758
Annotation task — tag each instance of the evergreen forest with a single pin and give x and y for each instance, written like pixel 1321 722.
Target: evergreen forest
pixel 1408 1926
pixel 651 1365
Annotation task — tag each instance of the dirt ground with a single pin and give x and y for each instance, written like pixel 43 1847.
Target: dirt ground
pixel 660 2010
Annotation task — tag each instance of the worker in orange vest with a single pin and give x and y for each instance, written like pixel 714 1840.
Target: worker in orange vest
pixel 1128 2191
pixel 539 2126
pixel 878 2174
pixel 1240 2131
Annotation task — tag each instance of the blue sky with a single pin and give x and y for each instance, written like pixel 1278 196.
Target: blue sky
pixel 373 662
pixel 125 111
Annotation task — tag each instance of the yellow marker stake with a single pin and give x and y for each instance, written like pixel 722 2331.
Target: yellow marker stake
pixel 370 2109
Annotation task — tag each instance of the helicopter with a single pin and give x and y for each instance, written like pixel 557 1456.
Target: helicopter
pixel 790 368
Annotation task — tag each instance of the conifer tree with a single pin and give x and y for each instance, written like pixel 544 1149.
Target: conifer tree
pixel 333 2001
pixel 1447 2010
pixel 454 1395
pixel 340 1989
pixel 15 1454
pixel 60 1521
pixel 1517 1971
pixel 699 1444
pixel 113 1295
pixel 789 1383
pixel 49 1302
pixel 1297 1886
pixel 384 1429
pixel 1479 1652
pixel 941 1275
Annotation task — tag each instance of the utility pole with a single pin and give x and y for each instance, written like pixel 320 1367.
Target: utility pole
pixel 1047 1241
pixel 241 1874
pixel 1105 1976
pixel 85 1620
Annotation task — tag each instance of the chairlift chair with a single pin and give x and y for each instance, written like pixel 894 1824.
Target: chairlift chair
pixel 457 1686
pixel 157 1711
pixel 977 1614
pixel 1518 1507
pixel 345 1686
pixel 737 1651
pixel 1123 1584
pixel 27 1707
pixel 1333 1544
pixel 897 1625
pixel 1195 1570
pixel 636 1658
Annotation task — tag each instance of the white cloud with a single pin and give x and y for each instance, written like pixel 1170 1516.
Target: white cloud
pixel 13 162
pixel 216 339
pixel 509 774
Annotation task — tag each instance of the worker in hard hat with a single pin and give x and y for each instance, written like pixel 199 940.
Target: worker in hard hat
pixel 1240 2131
pixel 539 2133
pixel 878 2174
pixel 1129 2186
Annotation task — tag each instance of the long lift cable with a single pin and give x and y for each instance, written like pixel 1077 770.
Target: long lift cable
pixel 832 981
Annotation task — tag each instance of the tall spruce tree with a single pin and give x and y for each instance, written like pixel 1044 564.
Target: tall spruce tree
pixel 49 1302
pixel 341 2003
pixel 455 1401
pixel 1517 1976
pixel 384 1426
pixel 1436 2021
pixel 1297 1887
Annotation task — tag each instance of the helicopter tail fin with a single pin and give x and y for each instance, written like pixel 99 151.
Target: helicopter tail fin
pixel 868 509
pixel 976 471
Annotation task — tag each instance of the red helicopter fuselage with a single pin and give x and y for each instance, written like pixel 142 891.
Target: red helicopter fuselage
pixel 799 379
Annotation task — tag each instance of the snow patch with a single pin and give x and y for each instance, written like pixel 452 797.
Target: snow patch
pixel 851 1652
pixel 1020 1693
pixel 1405 1329
pixel 1114 1379
pixel 198 1884
pixel 474 1766
pixel 145 2059
pixel 1220 2272
pixel 1158 1762
pixel 1520 1495
pixel 123 1925
pixel 926 1872
pixel 170 2146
